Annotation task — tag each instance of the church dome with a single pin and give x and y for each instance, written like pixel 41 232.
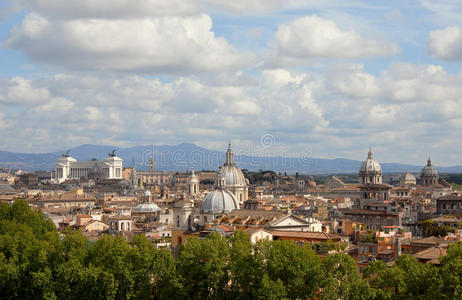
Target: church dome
pixel 231 172
pixel 370 164
pixel 370 171
pixel 408 177
pixel 233 175
pixel 146 208
pixel 429 169
pixel 147 194
pixel 219 201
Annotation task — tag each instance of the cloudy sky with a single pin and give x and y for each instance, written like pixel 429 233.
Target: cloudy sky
pixel 322 78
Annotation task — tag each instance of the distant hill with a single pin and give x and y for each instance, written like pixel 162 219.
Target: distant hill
pixel 186 156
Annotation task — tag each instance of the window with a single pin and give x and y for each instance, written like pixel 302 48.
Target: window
pixel 177 221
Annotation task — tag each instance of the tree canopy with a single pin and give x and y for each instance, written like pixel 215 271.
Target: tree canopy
pixel 38 262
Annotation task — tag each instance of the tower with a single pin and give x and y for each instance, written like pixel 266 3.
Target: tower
pixel 193 184
pixel 151 161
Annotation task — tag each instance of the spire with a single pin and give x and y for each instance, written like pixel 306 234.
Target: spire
pixel 229 155
pixel 369 155
pixel 429 161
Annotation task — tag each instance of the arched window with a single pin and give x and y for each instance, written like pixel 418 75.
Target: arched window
pixel 177 221
pixel 122 226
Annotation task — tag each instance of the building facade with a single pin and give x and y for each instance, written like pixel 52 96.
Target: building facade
pixel 68 167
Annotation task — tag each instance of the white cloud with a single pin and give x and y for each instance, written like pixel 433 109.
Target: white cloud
pixel 314 37
pixel 110 9
pixel 167 44
pixel 56 105
pixel 3 123
pixel 446 43
pixel 20 92
pixel 341 109
pixel 247 6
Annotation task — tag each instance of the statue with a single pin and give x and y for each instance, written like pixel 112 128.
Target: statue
pixel 112 154
pixel 66 155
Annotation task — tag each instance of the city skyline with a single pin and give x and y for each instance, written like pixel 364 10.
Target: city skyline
pixel 331 79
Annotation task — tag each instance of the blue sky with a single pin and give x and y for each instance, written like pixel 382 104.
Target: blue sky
pixel 326 79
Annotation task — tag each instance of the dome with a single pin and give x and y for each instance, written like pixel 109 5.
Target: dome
pixel 146 208
pixel 233 175
pixel 370 164
pixel 219 201
pixel 429 169
pixel 408 177
pixel 147 194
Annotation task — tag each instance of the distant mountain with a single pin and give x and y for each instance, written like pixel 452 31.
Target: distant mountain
pixel 186 156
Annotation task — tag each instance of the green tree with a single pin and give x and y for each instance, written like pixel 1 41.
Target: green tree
pixel 342 280
pixel 202 265
pixel 298 267
pixel 451 272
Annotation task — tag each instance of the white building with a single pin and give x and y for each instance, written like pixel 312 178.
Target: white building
pixel 68 167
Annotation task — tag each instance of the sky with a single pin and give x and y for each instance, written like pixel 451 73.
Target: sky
pixel 318 78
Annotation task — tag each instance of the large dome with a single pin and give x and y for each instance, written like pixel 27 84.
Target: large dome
pixel 370 171
pixel 219 201
pixel 233 175
pixel 370 164
pixel 429 169
pixel 146 208
pixel 408 177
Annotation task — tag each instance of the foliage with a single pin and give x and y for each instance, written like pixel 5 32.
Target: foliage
pixel 36 262
pixel 429 228
pixel 260 176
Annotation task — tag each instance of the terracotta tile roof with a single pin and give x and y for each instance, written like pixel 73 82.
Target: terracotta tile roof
pixel 432 254
pixel 450 197
pixel 431 240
